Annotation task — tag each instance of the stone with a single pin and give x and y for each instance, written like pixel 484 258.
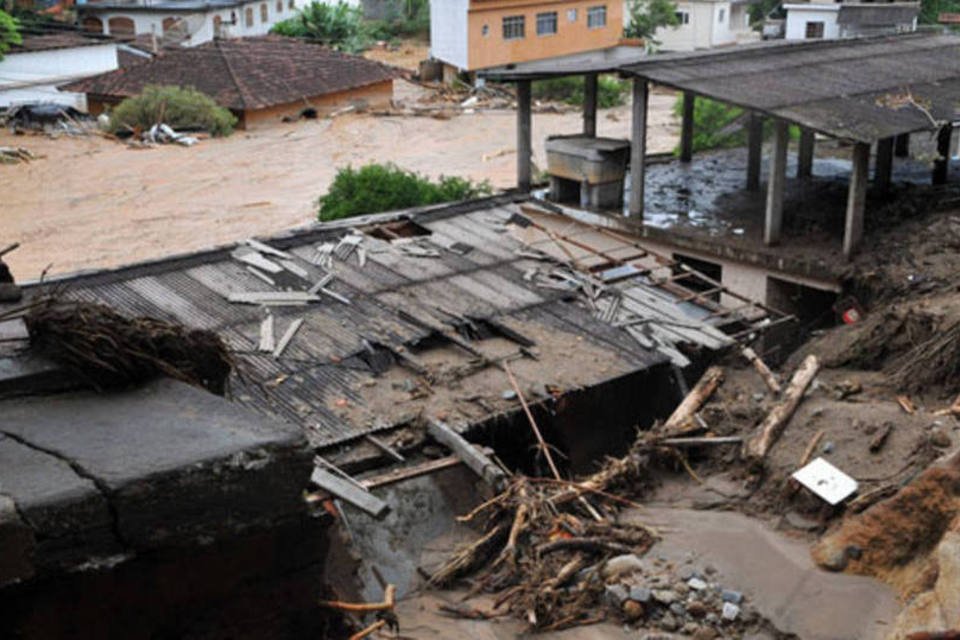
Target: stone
pixel 697 609
pixel 828 447
pixel 678 609
pixel 668 622
pixel 621 565
pixel 710 570
pixel 615 595
pixel 803 523
pixel 730 611
pixel 690 628
pixel 704 633
pixel 711 618
pixel 696 584
pixel 665 597
pixel 939 438
pixel 687 572
pixel 640 594
pixel 729 595
pixel 633 610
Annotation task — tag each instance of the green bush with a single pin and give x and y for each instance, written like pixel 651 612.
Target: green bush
pixel 339 26
pixel 717 125
pixel 9 32
pixel 404 19
pixel 386 187
pixel 179 107
pixel 611 92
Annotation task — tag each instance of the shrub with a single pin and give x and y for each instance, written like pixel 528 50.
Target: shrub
pixel 179 107
pixel 402 19
pixel 715 125
pixel 611 92
pixel 339 26
pixel 9 32
pixel 385 187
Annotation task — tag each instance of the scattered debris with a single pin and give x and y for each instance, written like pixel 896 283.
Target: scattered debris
pixel 273 298
pixel 164 134
pixel 287 337
pixel 906 404
pixel 825 480
pixel 880 438
pixel 776 421
pixel 267 342
pixel 14 155
pixel 768 377
pixel 682 421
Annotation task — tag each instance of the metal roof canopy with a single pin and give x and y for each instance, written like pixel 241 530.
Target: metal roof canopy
pixel 861 89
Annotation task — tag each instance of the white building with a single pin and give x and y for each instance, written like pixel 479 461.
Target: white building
pixel 814 20
pixel 31 71
pixel 188 22
pixel 704 24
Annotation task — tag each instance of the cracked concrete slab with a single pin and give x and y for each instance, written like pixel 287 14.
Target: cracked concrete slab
pixel 175 463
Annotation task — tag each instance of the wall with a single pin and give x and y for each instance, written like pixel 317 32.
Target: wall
pixel 798 15
pixel 705 29
pixel 33 76
pixel 375 95
pixel 571 37
pixel 448 32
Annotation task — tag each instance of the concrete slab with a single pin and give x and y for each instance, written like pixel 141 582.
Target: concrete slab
pixel 776 573
pixel 175 462
pixel 16 545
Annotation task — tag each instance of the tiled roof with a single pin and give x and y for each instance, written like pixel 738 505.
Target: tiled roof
pixel 245 73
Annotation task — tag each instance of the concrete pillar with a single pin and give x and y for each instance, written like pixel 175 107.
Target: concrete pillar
pixel 638 147
pixel 754 151
pixel 883 170
pixel 686 130
pixel 902 145
pixel 773 223
pixel 856 199
pixel 590 105
pixel 805 153
pixel 941 166
pixel 524 143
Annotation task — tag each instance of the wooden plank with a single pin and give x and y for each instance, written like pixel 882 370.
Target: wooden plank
pixel 272 297
pixel 406 473
pixel 267 340
pixel 469 453
pixel 287 337
pixel 356 495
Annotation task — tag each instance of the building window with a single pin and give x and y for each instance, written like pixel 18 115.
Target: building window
pixel 597 17
pixel 264 15
pixel 513 27
pixel 547 23
pixel 485 30
pixel 292 5
pixel 120 26
pixel 248 17
pixel 571 15
pixel 279 6
pixel 721 15
pixel 683 17
pixel 814 30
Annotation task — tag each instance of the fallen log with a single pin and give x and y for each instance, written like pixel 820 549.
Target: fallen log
pixel 682 420
pixel 776 421
pixel 768 377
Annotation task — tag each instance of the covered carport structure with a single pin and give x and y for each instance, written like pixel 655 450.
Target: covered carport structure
pixel 865 91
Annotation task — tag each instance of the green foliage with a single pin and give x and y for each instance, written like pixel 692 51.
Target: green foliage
pixel 339 26
pixel 374 188
pixel 760 10
pixel 931 9
pixel 717 125
pixel 179 107
pixel 611 92
pixel 9 32
pixel 404 19
pixel 646 16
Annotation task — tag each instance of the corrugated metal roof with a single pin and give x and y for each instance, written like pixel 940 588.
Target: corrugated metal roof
pixel 877 13
pixel 395 299
pixel 857 89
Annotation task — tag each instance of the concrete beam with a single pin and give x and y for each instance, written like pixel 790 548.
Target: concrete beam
pixel 902 145
pixel 805 153
pixel 590 89
pixel 524 142
pixel 883 169
pixel 754 151
pixel 941 166
pixel 773 224
pixel 686 131
pixel 856 199
pixel 638 147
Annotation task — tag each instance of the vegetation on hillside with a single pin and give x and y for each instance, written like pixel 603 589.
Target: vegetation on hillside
pixel 386 187
pixel 9 32
pixel 404 19
pixel 179 107
pixel 644 17
pixel 342 26
pixel 611 91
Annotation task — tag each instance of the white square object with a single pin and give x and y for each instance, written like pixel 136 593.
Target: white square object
pixel 826 481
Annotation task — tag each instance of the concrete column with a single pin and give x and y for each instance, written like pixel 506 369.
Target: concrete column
pixel 524 144
pixel 754 151
pixel 883 170
pixel 902 145
pixel 805 153
pixel 856 199
pixel 778 178
pixel 590 105
pixel 686 131
pixel 638 147
pixel 941 166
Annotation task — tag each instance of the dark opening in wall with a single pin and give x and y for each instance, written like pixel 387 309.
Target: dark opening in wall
pixel 397 229
pixel 812 307
pixel 696 284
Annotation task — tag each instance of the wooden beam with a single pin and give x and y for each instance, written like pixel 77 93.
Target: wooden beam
pixel 773 224
pixel 638 147
pixel 524 142
pixel 778 418
pixel 805 153
pixel 856 199
pixel 590 87
pixel 754 151
pixel 686 130
pixel 406 473
pixel 883 170
pixel 350 492
pixel 469 453
pixel 682 420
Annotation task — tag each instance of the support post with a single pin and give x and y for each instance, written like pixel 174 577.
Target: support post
pixel 754 151
pixel 524 144
pixel 638 147
pixel 778 178
pixel 902 146
pixel 883 169
pixel 590 82
pixel 686 131
pixel 941 166
pixel 805 153
pixel 856 199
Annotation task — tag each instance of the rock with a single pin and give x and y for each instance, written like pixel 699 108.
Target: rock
pixel 711 618
pixel 509 394
pixel 710 570
pixel 828 447
pixel 633 610
pixel 803 523
pixel 704 633
pixel 668 622
pixel 665 597
pixel 939 438
pixel 681 588
pixel 615 595
pixel 696 584
pixel 690 628
pixel 640 594
pixel 687 572
pixel 621 565
pixel 678 609
pixel 730 611
pixel 697 609
pixel 830 555
pixel 729 595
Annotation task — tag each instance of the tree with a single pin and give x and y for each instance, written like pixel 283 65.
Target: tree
pixel 339 26
pixel 646 16
pixel 9 32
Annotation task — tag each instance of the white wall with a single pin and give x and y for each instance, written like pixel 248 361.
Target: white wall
pixel 448 31
pixel 705 28
pixel 33 76
pixel 798 15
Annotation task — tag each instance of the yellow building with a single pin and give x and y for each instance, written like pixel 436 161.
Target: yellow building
pixel 475 34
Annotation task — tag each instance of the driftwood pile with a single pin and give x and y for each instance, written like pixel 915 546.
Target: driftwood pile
pixel 110 351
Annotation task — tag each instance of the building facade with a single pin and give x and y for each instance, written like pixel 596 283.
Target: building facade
pixel 703 24
pixel 476 34
pixel 817 20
